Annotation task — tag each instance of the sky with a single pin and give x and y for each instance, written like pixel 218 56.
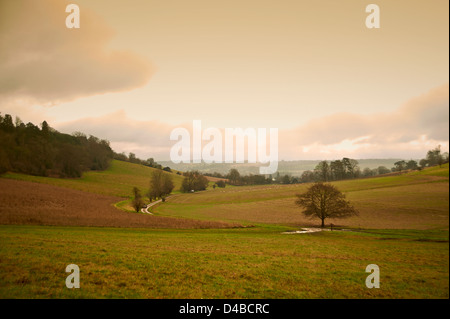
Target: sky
pixel 136 69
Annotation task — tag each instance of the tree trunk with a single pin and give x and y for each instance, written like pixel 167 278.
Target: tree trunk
pixel 323 222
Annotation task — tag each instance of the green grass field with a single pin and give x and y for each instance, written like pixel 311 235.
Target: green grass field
pixel 236 263
pixel 403 228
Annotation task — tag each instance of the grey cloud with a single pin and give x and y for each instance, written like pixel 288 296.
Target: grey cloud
pixel 42 59
pixel 145 138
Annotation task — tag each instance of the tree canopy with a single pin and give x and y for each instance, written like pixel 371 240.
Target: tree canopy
pixel 28 149
pixel 193 181
pixel 161 185
pixel 325 201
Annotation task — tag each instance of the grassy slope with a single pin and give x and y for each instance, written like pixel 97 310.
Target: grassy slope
pixel 117 180
pixel 233 263
pixel 417 200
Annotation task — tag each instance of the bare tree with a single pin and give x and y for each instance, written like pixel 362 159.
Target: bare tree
pixel 161 185
pixel 323 171
pixel 137 199
pixel 325 201
pixel 337 170
pixel 351 167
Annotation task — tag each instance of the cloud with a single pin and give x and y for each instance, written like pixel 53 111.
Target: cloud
pixel 407 132
pixel 144 138
pixel 421 122
pixel 43 60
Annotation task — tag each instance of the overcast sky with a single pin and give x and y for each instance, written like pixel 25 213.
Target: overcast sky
pixel 136 69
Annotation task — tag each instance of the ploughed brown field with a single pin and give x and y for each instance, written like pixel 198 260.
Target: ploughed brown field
pixel 23 202
pixel 215 179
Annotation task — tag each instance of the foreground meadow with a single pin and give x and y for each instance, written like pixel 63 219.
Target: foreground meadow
pixel 260 262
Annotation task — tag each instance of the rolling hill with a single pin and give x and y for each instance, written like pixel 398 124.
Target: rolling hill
pixel 415 200
pixel 117 180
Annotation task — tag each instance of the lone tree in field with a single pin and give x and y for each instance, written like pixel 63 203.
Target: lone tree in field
pixel 137 199
pixel 193 181
pixel 325 201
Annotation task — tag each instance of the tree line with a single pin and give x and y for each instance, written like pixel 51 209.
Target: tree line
pixel 434 157
pixel 43 151
pixel 131 158
pixel 349 168
pixel 161 183
pixel 326 171
pixel 234 177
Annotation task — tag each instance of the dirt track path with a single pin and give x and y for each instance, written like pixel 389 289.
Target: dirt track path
pixel 145 210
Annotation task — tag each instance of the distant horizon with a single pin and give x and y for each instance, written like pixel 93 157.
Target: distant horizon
pixel 293 168
pixel 307 160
